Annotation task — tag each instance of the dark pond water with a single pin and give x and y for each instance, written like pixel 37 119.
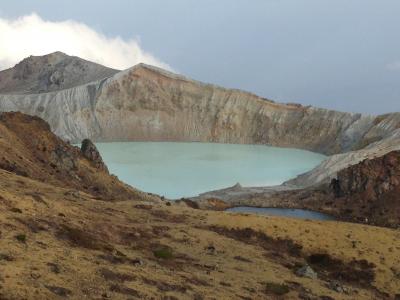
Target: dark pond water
pixel 284 212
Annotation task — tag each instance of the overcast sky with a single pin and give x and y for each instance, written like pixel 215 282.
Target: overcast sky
pixel 339 54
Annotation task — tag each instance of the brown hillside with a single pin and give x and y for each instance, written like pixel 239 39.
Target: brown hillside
pixel 28 148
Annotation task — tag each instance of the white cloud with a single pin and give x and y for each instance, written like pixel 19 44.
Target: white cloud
pixel 394 66
pixel 31 35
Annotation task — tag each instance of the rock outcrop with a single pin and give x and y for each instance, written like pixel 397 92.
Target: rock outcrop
pixel 370 191
pixel 371 177
pixel 89 150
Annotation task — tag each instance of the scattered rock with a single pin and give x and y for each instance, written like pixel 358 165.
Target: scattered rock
pixel 124 290
pixel 35 275
pixel 144 206
pixel 137 262
pixel 16 210
pixel 210 249
pixel 72 193
pixel 240 258
pixel 110 275
pixel 337 287
pixel 58 290
pixel 6 257
pixel 306 271
pixel 54 268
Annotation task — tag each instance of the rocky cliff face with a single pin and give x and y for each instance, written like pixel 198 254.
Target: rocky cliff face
pixel 147 103
pixel 374 177
pixel 366 192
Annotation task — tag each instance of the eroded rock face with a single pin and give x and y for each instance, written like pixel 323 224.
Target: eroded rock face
pixel 145 103
pixel 372 177
pixel 90 151
pixel 370 190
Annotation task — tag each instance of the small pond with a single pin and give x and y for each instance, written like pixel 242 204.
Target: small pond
pixel 283 212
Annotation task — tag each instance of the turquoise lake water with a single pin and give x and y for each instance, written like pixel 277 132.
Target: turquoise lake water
pixel 176 170
pixel 283 212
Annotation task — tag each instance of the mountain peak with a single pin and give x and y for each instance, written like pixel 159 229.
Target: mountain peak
pixel 50 72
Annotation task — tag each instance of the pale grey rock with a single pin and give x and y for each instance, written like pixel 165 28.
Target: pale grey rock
pixel 306 271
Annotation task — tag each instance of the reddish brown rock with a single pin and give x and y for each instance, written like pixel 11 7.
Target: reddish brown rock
pixel 373 177
pixel 370 191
